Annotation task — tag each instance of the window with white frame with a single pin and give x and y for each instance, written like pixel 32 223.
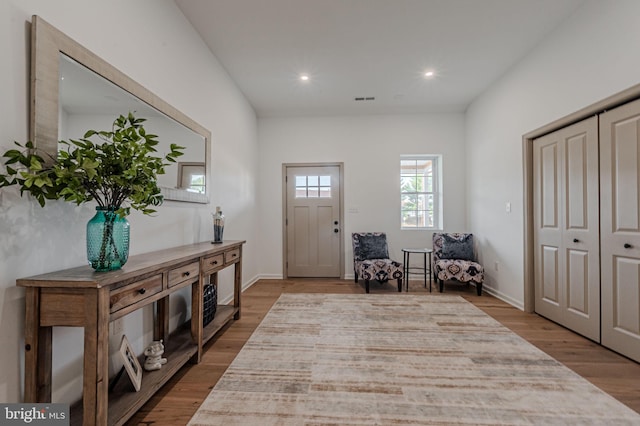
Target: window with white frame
pixel 420 192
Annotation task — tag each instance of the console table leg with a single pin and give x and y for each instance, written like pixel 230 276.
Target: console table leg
pixel 161 324
pixel 197 301
pixel 95 391
pixel 237 286
pixel 37 354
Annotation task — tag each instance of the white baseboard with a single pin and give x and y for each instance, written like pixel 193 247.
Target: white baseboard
pixel 269 277
pixel 495 293
pixel 245 286
pixel 498 295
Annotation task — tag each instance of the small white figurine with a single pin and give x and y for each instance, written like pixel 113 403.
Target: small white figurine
pixel 154 358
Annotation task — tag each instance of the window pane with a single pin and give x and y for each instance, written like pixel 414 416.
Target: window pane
pixel 313 180
pixel 429 184
pixel 313 192
pixel 408 167
pixel 425 201
pixel 325 192
pixel 325 180
pixel 408 184
pixel 421 218
pixel 409 219
pixel 301 181
pixel 301 192
pixel 424 166
pixel 409 202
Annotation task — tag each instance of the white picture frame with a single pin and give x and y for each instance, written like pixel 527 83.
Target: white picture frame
pixel 131 363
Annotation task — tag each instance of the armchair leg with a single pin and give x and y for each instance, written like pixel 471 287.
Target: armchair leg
pixel 479 289
pixel 366 285
pixel 355 276
pixel 441 286
pixel 399 285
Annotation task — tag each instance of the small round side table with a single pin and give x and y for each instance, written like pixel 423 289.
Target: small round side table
pixel 425 269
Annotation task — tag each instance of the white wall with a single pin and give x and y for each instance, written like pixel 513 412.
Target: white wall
pixel 152 42
pixel 588 58
pixel 370 148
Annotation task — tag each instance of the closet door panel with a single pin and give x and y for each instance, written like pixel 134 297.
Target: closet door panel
pixel 624 168
pixel 549 267
pixel 566 221
pixel 578 279
pixel 581 234
pixel 620 229
pixel 626 314
pixel 547 155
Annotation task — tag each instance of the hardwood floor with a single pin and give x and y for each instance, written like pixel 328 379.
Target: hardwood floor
pixel 179 399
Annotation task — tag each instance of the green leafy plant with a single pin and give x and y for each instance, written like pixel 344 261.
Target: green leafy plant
pixel 119 173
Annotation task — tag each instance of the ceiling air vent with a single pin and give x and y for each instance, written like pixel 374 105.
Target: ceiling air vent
pixel 370 98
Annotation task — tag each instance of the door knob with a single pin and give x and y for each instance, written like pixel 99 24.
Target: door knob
pixel 335 222
pixel 336 230
pixel 575 240
pixel 627 245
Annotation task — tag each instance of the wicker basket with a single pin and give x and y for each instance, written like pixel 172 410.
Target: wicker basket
pixel 210 303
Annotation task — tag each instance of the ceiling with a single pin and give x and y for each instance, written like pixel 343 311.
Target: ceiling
pixel 370 48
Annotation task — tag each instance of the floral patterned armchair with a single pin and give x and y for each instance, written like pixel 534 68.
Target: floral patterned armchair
pixel 371 259
pixel 454 259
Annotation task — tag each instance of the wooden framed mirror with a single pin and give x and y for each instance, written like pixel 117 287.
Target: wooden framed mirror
pixel 73 90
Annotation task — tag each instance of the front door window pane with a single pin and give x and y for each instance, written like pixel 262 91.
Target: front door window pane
pixel 313 186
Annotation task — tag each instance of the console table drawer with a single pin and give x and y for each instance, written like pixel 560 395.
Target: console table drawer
pixel 184 273
pixel 133 293
pixel 213 262
pixel 231 256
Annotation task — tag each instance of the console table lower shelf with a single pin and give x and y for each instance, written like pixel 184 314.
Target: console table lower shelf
pixel 124 401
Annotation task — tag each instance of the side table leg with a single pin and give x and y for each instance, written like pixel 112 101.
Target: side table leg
pixel 430 272
pixel 405 262
pixel 425 270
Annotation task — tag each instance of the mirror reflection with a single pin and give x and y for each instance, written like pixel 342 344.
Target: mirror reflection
pixel 89 101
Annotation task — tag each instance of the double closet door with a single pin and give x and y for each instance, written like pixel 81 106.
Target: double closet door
pixel 587 228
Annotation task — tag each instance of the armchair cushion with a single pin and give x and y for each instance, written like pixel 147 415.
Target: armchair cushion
pixel 460 247
pixel 371 245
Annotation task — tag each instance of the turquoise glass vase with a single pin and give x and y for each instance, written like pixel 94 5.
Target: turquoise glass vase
pixel 107 240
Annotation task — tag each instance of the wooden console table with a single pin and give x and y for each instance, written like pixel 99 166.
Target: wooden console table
pixel 81 297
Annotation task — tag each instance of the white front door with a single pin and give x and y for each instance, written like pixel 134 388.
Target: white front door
pixel 566 222
pixel 620 186
pixel 313 228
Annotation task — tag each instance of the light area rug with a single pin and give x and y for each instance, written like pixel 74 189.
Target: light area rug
pixel 398 359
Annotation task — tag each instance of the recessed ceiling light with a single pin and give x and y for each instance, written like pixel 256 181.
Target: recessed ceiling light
pixel 304 77
pixel 429 74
